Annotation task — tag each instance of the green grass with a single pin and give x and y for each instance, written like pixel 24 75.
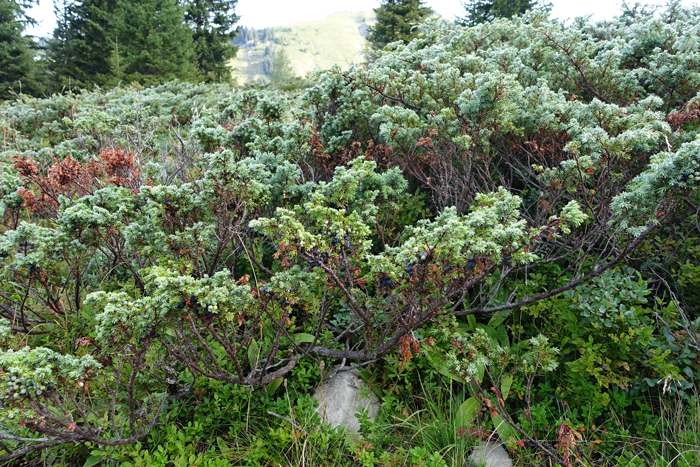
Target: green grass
pixel 335 39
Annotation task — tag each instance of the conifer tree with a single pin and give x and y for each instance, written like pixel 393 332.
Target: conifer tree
pixel 212 24
pixel 17 66
pixel 151 43
pixel 79 53
pixel 396 21
pixel 281 66
pixel 104 42
pixel 481 11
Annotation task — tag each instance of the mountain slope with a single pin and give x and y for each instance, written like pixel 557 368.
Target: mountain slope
pixel 338 38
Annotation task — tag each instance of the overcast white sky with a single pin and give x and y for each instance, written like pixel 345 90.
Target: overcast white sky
pixel 262 13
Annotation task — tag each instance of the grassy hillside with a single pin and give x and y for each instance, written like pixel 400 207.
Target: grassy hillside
pixel 338 38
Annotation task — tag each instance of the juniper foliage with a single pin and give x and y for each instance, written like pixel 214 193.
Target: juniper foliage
pixel 186 232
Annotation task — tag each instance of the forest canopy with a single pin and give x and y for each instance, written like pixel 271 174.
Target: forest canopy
pixel 507 208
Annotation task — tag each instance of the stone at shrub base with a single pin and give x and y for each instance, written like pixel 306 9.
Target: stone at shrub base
pixel 490 454
pixel 340 397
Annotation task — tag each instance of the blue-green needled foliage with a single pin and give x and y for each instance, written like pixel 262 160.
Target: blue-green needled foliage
pixel 495 225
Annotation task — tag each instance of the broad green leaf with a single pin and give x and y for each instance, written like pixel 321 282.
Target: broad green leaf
pixel 464 329
pixel 505 386
pixel 467 412
pixel 272 386
pixel 303 338
pixel 223 447
pixel 506 432
pixel 501 336
pixel 497 319
pixel 443 369
pixel 471 320
pixel 480 373
pixel 94 459
pixel 439 363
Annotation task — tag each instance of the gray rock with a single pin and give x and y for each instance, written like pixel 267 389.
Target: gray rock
pixel 340 397
pixel 490 454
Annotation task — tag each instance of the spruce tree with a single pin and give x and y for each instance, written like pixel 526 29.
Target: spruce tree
pixel 17 66
pixel 151 43
pixel 281 67
pixel 79 53
pixel 212 24
pixel 481 11
pixel 104 42
pixel 396 21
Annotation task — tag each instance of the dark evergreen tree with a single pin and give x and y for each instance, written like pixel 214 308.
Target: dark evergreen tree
pixel 212 24
pixel 104 42
pixel 396 21
pixel 481 11
pixel 281 66
pixel 245 34
pixel 79 53
pixel 18 69
pixel 151 43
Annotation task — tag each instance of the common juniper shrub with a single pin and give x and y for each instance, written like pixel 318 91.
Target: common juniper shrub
pixel 166 247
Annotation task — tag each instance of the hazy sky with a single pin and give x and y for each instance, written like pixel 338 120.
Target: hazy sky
pixel 262 13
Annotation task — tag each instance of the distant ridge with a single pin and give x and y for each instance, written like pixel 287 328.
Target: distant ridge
pixel 338 38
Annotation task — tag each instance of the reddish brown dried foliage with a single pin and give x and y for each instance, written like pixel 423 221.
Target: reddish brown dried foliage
pixel 408 346
pixel 120 167
pixel 71 178
pixel 381 154
pixel 567 442
pixel 688 114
